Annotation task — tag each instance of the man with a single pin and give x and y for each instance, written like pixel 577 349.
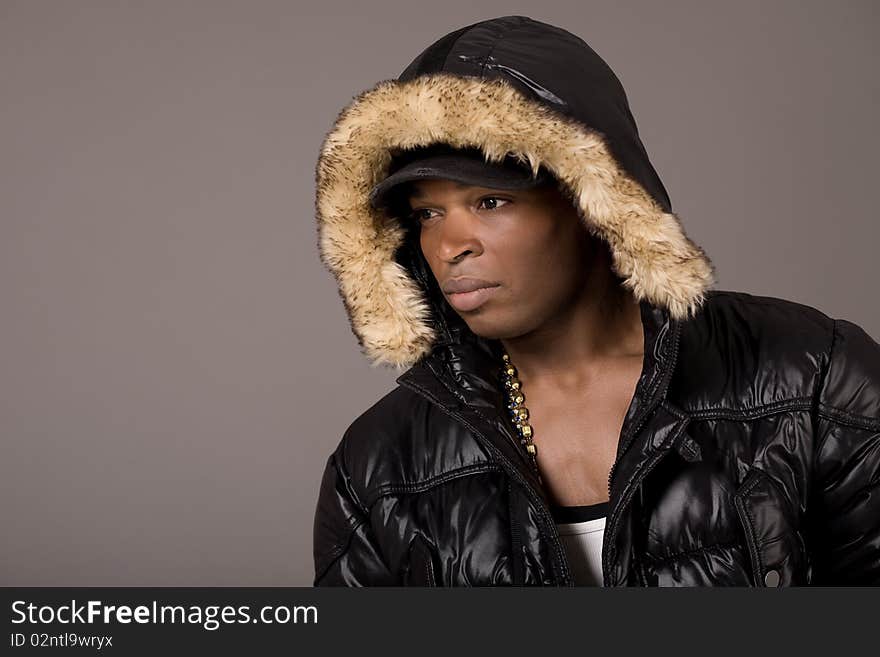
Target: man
pixel 579 406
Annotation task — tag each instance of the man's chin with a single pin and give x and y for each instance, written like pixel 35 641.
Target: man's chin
pixel 486 326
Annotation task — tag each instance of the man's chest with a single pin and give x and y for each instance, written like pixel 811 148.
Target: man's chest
pixel 577 437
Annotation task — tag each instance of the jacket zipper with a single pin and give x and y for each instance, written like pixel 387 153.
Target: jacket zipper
pixel 631 436
pixel 533 495
pixel 614 521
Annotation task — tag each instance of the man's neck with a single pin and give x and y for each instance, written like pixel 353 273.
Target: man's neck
pixel 595 332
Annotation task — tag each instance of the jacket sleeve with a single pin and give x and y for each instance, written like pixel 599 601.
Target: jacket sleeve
pixel 845 519
pixel 346 551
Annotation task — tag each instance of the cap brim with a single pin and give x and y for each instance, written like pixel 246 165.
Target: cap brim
pixel 465 170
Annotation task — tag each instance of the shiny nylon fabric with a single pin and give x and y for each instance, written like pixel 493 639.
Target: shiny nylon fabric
pixel 555 67
pixel 749 455
pixel 726 474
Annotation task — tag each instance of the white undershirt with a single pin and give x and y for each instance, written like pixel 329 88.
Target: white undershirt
pixel 583 547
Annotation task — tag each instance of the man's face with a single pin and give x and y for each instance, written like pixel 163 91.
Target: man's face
pixel 529 245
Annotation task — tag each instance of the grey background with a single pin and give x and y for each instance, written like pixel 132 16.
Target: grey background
pixel 175 363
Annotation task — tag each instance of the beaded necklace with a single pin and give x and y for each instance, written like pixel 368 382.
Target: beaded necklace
pixel 518 411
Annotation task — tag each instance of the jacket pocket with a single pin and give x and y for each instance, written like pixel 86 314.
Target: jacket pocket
pixel 422 563
pixel 775 546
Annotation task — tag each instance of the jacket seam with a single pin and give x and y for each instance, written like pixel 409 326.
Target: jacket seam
pixel 518 559
pixel 353 522
pixel 655 561
pixel 445 65
pixel 342 471
pixel 338 551
pixel 432 579
pixel 842 417
pixel 748 523
pixel 433 482
pixel 488 57
pixel 820 440
pixel 420 547
pixel 817 410
pixel 720 413
pixel 672 409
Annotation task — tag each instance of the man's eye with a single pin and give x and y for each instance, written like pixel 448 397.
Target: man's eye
pixel 493 202
pixel 419 215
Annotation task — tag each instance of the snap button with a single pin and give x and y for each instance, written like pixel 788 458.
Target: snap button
pixel 771 578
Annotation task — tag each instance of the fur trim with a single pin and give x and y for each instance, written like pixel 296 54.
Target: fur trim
pixel 387 309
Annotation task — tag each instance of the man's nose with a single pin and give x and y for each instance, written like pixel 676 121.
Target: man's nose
pixel 458 234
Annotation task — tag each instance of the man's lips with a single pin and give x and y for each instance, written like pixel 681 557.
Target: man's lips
pixel 467 301
pixel 466 284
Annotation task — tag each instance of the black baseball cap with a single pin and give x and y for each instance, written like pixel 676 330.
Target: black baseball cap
pixel 464 165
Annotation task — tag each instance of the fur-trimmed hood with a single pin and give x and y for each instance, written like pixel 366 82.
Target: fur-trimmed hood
pixel 509 86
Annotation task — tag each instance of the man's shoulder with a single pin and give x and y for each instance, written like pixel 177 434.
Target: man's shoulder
pixel 745 351
pixel 794 324
pixel 761 326
pixel 771 315
pixel 388 417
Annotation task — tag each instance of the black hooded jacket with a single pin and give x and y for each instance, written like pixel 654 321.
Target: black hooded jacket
pixel 750 453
